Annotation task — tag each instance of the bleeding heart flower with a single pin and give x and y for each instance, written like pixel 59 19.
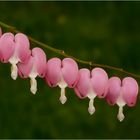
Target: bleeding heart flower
pixel 14 49
pixel 91 84
pixel 63 74
pixel 36 66
pixel 122 93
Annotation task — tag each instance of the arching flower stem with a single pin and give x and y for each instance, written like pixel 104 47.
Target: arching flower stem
pixel 62 53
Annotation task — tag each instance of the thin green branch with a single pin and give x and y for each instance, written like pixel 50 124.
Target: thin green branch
pixel 62 53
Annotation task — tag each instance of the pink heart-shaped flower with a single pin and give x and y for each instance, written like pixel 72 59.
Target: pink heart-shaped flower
pixel 91 84
pixel 35 66
pixel 14 49
pixel 63 74
pixel 122 93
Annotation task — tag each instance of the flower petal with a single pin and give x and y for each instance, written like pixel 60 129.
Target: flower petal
pixel 83 85
pixel 7 46
pixel 70 72
pixel 24 69
pixel 130 90
pixel 39 57
pixel 53 71
pixel 114 89
pixel 99 81
pixel 22 47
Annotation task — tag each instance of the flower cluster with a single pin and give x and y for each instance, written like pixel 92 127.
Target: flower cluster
pixel 27 63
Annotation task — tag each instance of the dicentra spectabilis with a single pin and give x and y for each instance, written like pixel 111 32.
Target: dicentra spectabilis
pixel 63 74
pixel 122 93
pixel 14 49
pixel 36 66
pixel 91 84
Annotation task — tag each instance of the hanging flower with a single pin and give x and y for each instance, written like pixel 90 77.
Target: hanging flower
pixel 63 74
pixel 36 66
pixel 91 84
pixel 14 49
pixel 122 93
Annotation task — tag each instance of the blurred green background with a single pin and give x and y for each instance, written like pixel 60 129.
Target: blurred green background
pixel 105 32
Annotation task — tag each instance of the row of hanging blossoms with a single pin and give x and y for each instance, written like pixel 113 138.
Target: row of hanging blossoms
pixel 27 63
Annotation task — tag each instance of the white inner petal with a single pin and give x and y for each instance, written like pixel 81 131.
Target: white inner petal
pixel 91 95
pixel 33 82
pixel 62 84
pixel 120 115
pixel 121 103
pixel 14 70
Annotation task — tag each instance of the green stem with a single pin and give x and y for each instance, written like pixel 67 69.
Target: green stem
pixel 61 52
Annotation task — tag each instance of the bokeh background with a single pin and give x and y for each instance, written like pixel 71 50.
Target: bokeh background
pixel 104 32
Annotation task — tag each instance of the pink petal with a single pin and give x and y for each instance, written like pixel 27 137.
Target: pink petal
pixel 22 47
pixel 24 69
pixel 53 71
pixel 70 72
pixel 130 91
pixel 114 88
pixel 99 81
pixel 83 86
pixel 7 46
pixel 39 57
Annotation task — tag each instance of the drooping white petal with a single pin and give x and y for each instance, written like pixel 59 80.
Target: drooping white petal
pixel 33 83
pixel 62 84
pixel 63 98
pixel 14 70
pixel 91 95
pixel 91 108
pixel 121 103
pixel 120 115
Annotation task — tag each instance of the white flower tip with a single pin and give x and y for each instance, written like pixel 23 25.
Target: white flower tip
pixel 33 90
pixel 33 83
pixel 91 110
pixel 14 72
pixel 120 115
pixel 14 77
pixel 63 98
